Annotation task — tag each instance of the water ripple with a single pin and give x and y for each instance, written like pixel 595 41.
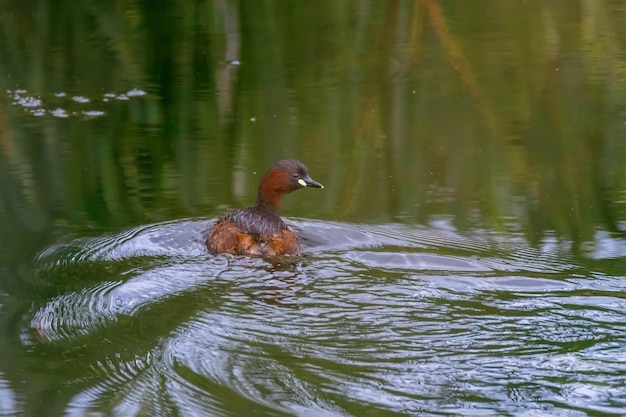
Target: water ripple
pixel 385 319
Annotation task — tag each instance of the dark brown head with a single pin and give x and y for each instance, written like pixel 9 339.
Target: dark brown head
pixel 284 177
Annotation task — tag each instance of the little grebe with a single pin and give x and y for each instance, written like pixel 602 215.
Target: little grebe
pixel 259 230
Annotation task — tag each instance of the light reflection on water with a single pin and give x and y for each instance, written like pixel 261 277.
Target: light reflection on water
pixel 7 397
pixel 373 319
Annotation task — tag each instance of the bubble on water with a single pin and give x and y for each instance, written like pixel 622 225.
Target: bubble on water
pixel 59 112
pixel 136 93
pixel 28 101
pixel 94 113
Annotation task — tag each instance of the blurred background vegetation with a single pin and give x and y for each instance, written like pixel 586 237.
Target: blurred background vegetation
pixel 501 115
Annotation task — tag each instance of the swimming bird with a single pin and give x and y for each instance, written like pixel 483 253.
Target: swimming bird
pixel 258 229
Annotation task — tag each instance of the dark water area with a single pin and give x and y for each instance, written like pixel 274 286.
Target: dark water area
pixel 467 255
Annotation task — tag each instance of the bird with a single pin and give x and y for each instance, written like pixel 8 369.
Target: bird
pixel 258 230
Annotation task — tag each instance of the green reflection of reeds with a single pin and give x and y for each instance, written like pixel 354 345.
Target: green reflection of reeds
pixel 496 113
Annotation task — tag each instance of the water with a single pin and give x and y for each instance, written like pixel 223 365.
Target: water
pixel 371 320
pixel 467 256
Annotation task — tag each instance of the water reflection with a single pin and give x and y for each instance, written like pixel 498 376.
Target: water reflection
pixel 8 402
pixel 390 318
pixel 494 130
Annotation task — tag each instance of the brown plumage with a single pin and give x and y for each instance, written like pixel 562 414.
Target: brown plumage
pixel 259 230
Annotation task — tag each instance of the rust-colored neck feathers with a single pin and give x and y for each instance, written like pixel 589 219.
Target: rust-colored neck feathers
pixel 274 184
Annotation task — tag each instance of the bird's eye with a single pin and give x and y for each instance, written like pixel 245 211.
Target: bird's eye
pixel 295 175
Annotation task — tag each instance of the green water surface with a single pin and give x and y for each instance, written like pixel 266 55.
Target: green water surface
pixel 467 256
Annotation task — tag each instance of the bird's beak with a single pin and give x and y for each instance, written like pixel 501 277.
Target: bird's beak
pixel 309 182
